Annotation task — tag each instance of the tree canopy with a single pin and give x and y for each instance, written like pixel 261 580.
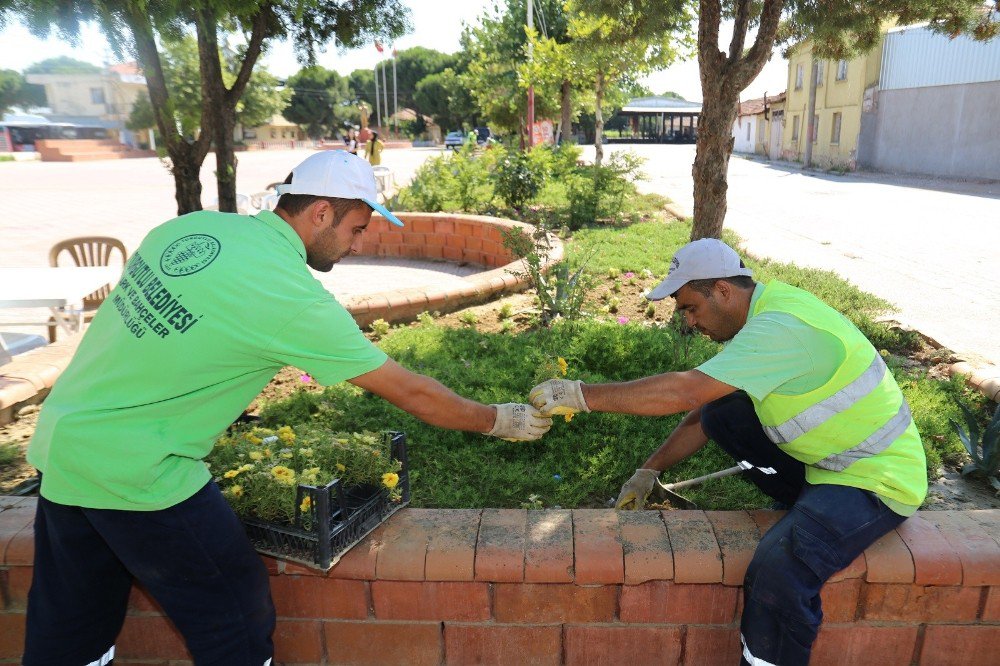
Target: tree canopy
pixel 318 94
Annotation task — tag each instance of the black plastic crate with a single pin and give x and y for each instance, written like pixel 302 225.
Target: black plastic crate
pixel 339 517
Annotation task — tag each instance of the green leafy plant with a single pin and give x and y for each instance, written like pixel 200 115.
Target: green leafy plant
pixel 514 180
pixel 379 328
pixel 983 445
pixel 425 318
pixel 561 292
pixel 651 310
pixel 468 318
pixel 506 311
pixel 534 503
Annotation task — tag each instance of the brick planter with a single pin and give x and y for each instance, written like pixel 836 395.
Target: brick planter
pixel 497 586
pixel 473 239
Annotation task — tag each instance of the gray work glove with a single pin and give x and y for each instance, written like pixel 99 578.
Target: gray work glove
pixel 559 396
pixel 519 423
pixel 636 491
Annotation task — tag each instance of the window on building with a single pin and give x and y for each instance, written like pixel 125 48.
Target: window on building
pixel 841 70
pixel 820 66
pixel 795 128
pixel 815 134
pixel 97 95
pixel 748 129
pixel 760 129
pixel 835 130
pixel 799 70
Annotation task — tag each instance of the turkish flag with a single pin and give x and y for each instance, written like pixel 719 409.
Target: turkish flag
pixel 378 46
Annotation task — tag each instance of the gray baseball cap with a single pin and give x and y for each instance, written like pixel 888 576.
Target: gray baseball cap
pixel 703 259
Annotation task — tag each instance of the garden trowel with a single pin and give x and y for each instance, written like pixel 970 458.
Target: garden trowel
pixel 666 491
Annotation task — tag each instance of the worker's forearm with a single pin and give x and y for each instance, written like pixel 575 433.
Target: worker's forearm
pixel 651 396
pixel 434 403
pixel 686 439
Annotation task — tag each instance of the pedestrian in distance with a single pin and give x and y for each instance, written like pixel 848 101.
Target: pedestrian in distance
pixel 207 310
pixel 373 150
pixel 352 141
pixel 805 404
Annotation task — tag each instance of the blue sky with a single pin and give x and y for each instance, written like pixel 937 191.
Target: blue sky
pixel 433 26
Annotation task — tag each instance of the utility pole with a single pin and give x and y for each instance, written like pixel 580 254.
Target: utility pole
pixel 531 86
pixel 811 113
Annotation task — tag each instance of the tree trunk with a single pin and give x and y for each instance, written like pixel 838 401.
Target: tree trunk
pixel 185 157
pixel 711 163
pixel 565 124
pixel 185 168
pixel 723 77
pixel 599 120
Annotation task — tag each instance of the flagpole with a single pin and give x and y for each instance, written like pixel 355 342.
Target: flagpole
pixel 385 96
pixel 395 96
pixel 378 108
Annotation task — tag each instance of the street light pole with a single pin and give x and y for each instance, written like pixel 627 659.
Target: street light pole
pixel 531 86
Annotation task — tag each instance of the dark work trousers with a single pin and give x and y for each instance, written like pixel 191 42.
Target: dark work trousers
pixel 194 559
pixel 827 527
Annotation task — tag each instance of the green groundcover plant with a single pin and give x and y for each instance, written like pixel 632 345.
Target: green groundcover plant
pixel 583 462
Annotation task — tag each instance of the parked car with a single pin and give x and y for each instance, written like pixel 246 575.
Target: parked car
pixel 454 140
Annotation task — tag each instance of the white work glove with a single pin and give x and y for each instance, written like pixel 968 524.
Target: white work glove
pixel 559 396
pixel 519 423
pixel 636 491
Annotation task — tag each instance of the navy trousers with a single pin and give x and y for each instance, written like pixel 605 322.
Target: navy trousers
pixel 827 527
pixel 193 558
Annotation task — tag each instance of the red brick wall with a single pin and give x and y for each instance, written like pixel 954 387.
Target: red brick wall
pixel 498 586
pixel 473 239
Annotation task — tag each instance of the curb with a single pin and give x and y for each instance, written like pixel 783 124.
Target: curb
pixel 986 378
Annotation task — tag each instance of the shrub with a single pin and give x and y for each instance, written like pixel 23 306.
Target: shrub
pixel 379 328
pixel 514 179
pixel 983 445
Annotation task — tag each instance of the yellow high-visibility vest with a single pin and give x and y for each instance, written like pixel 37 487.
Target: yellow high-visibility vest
pixel 855 430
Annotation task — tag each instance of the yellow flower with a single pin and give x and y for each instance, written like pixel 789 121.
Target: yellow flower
pixel 283 474
pixel 390 479
pixel 231 473
pixel 563 366
pixel 254 439
pixel 236 491
pixel 884 353
pixel 267 453
pixel 306 503
pixel 286 454
pixel 245 468
pixel 256 455
pixel 306 452
pixel 568 417
pixel 310 474
pixel 286 434
pixel 341 468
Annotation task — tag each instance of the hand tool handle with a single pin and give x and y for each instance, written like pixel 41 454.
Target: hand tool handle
pixel 701 479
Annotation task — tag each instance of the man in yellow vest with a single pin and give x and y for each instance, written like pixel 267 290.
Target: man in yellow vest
pixel 805 404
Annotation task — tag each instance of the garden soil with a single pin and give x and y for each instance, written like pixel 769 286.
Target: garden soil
pixel 613 297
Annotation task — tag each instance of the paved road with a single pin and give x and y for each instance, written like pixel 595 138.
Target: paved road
pixel 44 202
pixel 929 246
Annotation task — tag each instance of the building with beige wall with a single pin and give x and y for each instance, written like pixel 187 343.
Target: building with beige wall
pixel 102 99
pixel 842 87
pixel 758 126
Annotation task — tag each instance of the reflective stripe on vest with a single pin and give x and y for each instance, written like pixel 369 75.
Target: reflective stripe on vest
pixel 816 415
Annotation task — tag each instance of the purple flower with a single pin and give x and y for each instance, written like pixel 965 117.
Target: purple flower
pixel 630 275
pixel 305 379
pixel 622 320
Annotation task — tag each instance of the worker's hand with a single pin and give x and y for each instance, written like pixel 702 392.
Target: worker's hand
pixel 636 491
pixel 559 396
pixel 518 423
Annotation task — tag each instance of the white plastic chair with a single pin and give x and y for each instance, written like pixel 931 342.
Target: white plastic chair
pixel 244 206
pixel 384 180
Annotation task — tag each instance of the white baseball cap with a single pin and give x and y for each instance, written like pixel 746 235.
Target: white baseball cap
pixel 703 259
pixel 337 173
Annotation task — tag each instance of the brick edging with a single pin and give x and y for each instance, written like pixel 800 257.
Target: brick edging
pixel 474 239
pixel 582 587
pixel 985 378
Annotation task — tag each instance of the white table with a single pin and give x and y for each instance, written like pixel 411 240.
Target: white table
pixel 61 290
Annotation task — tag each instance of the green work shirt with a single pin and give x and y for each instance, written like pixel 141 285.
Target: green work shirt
pixel 776 352
pixel 207 310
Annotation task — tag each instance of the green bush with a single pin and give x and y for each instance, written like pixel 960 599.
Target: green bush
pixel 515 181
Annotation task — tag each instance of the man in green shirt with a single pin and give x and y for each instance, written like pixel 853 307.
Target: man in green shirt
pixel 207 310
pixel 804 403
